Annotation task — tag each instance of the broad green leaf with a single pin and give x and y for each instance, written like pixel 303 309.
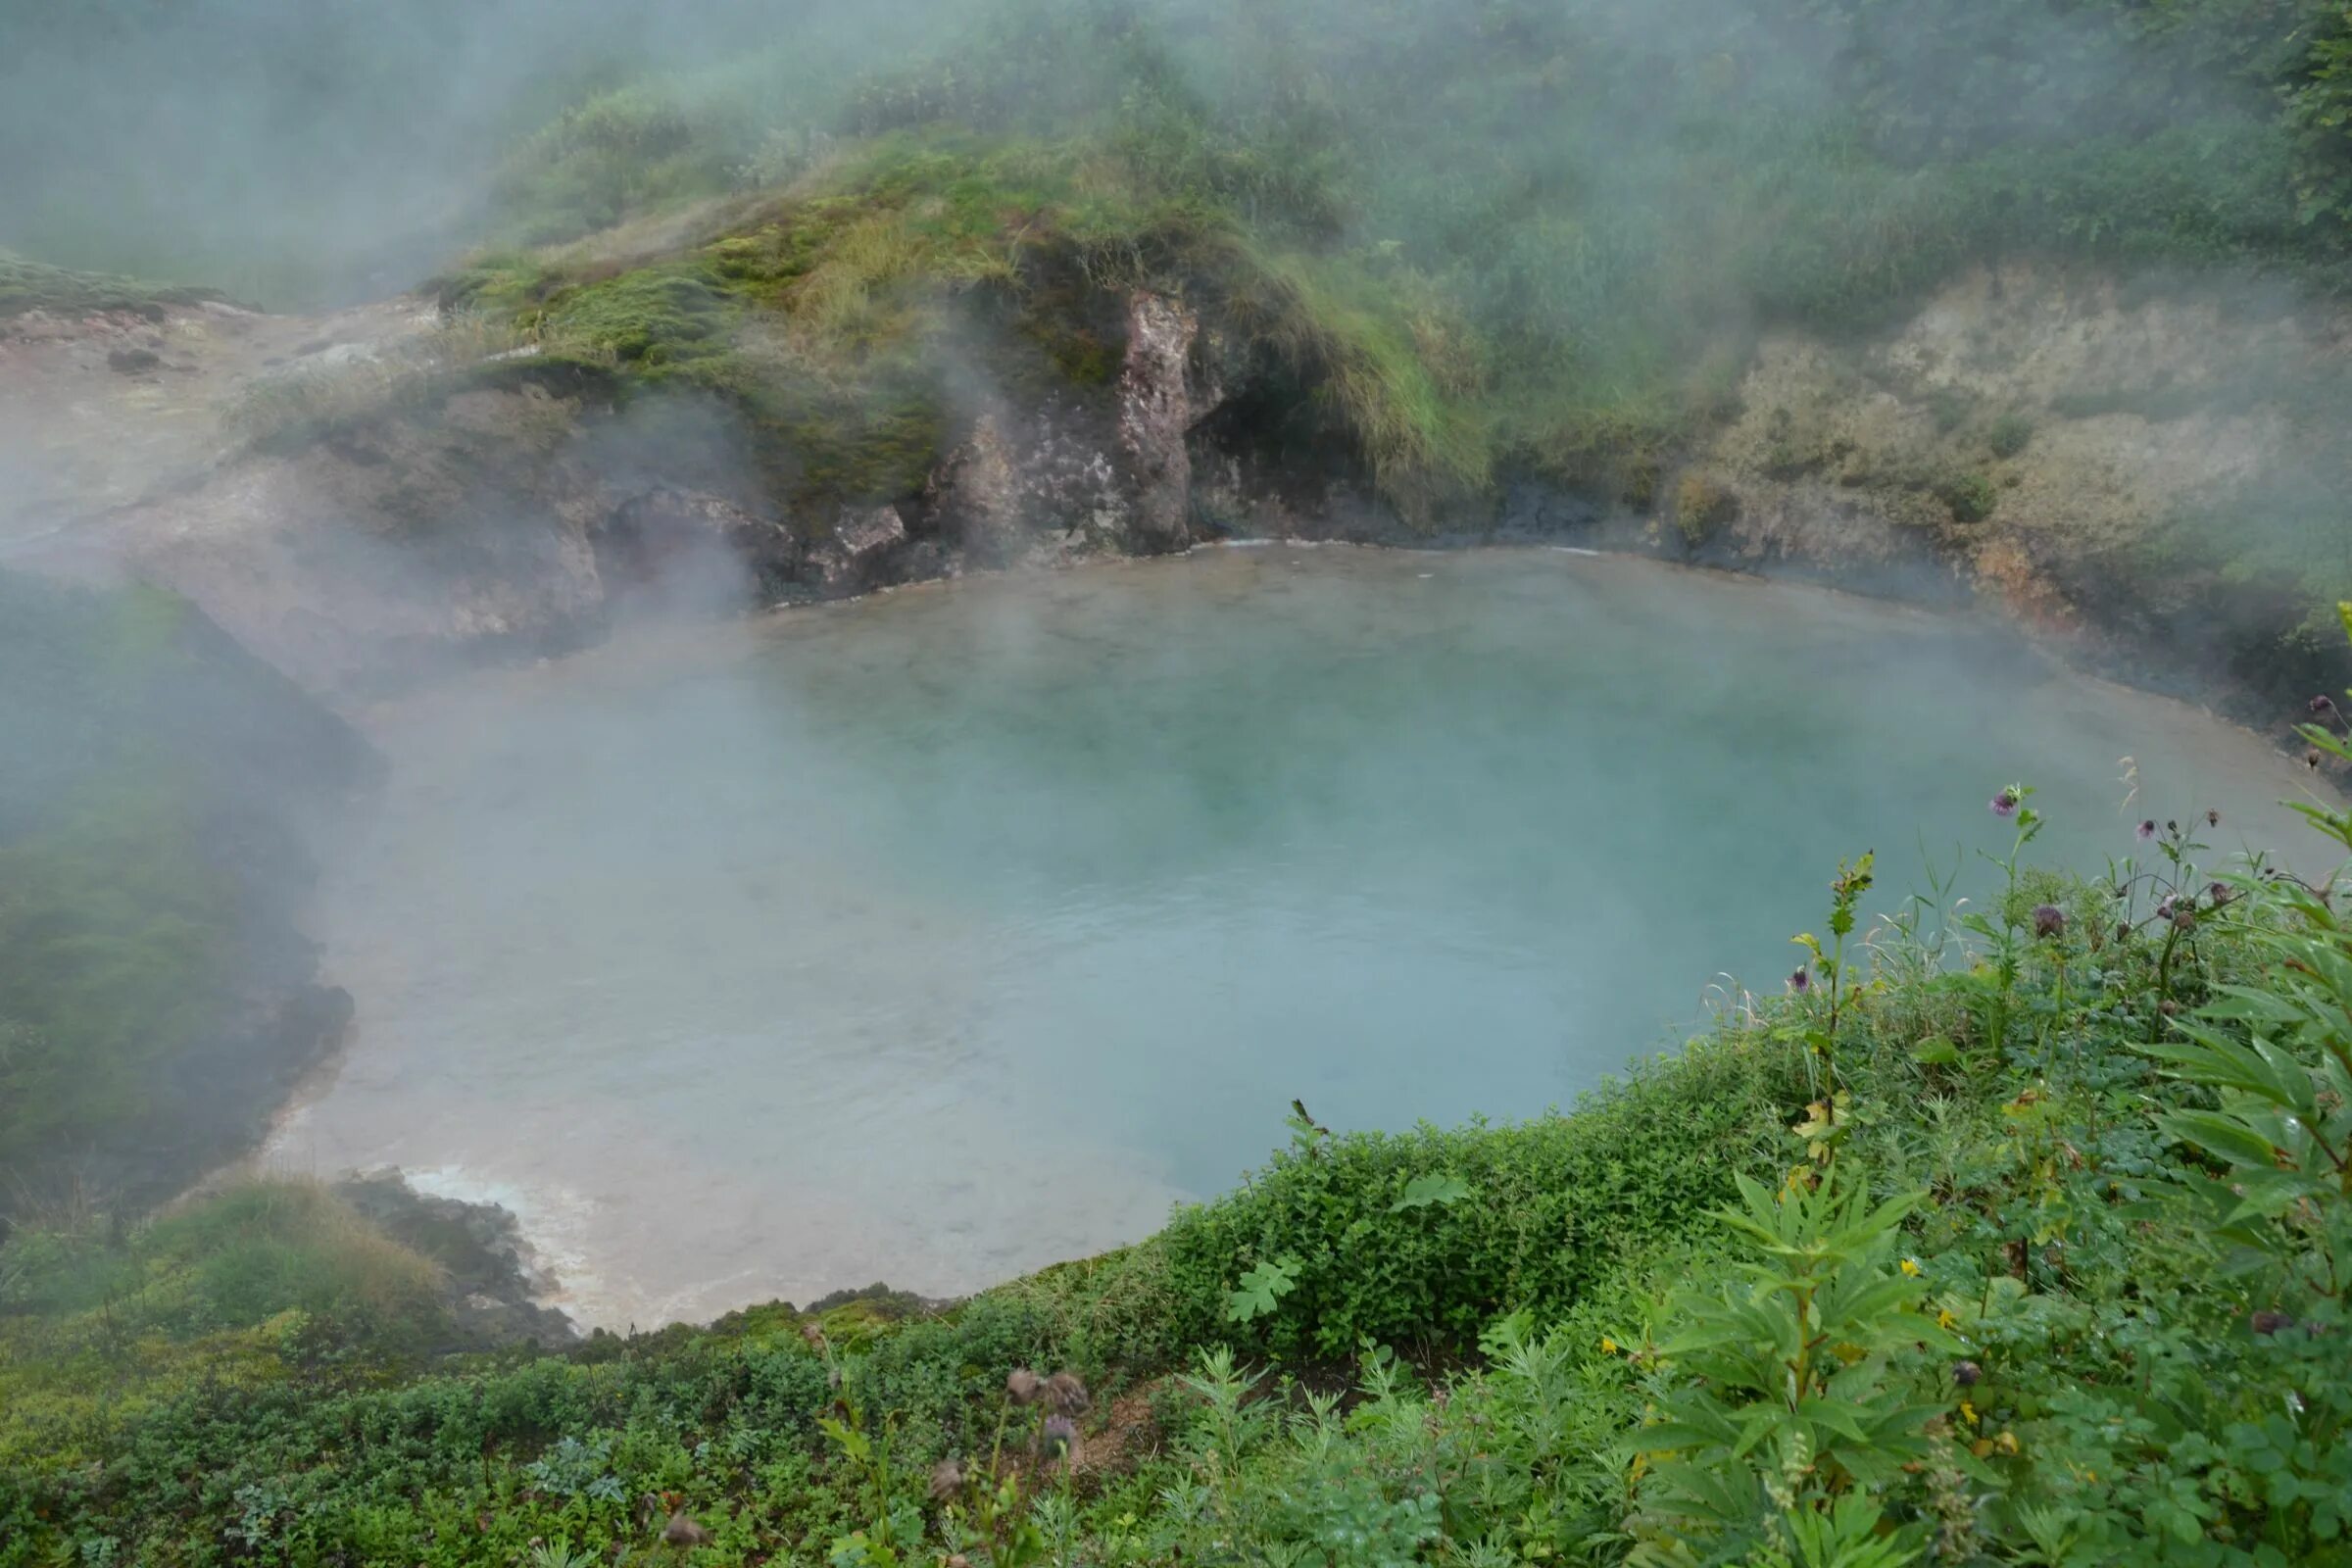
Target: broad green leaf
pixel 2220 1134
pixel 1261 1290
pixel 1423 1190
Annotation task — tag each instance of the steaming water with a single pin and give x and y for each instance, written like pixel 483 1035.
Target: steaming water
pixel 946 933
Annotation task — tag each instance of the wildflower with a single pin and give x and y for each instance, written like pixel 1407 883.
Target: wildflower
pixel 1967 1373
pixel 2212 817
pixel 2268 1322
pixel 2322 703
pixel 1910 1267
pixel 1608 1346
pixel 2184 918
pixel 947 1480
pixel 2311 757
pixel 1022 1385
pixel 2004 804
pixel 1945 1319
pixel 1967 1412
pixel 2164 908
pixel 2219 892
pixel 2146 830
pixel 813 1335
pixel 1059 1435
pixel 1801 982
pixel 1066 1395
pixel 2050 920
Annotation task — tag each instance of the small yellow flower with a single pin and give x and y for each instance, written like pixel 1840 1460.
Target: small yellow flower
pixel 1608 1346
pixel 1967 1412
pixel 1911 1267
pixel 1945 1318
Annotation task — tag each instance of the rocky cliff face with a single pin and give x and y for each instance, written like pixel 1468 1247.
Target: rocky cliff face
pixel 2149 477
pixel 518 517
pixel 2155 479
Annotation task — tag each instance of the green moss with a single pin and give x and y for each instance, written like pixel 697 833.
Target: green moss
pixel 652 321
pixel 503 282
pixel 29 285
pixel 1397 382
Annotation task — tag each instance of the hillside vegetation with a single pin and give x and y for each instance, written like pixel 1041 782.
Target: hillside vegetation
pixel 1548 230
pixel 1441 254
pixel 2017 1234
pixel 149 861
pixel 2008 1234
pixel 1442 250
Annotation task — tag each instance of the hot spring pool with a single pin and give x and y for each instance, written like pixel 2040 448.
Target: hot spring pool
pixel 939 936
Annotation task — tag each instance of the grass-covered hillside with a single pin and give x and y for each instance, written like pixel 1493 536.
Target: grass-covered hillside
pixel 1439 250
pixel 1548 231
pixel 28 285
pixel 2007 1235
pixel 1442 254
pixel 152 990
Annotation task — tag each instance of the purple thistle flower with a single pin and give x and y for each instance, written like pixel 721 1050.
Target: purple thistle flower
pixel 1059 1433
pixel 2004 804
pixel 2050 920
pixel 1801 982
pixel 2146 831
pixel 2322 703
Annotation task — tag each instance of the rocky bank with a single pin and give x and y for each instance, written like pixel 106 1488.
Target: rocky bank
pixel 2094 463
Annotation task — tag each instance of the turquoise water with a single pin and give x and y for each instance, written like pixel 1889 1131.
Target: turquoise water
pixel 942 935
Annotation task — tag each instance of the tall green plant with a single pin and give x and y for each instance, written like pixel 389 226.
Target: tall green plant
pixel 1783 1400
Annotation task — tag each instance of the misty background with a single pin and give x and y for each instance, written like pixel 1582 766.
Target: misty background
pixel 1561 225
pixel 1445 247
pixel 295 150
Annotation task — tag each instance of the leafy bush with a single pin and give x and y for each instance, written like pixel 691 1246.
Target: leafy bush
pixel 1553 1209
pixel 1971 496
pixel 2098 1324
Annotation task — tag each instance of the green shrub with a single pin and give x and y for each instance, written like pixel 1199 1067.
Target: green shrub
pixel 1555 1208
pixel 1971 496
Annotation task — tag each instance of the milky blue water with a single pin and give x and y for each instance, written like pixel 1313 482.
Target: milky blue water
pixel 945 934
